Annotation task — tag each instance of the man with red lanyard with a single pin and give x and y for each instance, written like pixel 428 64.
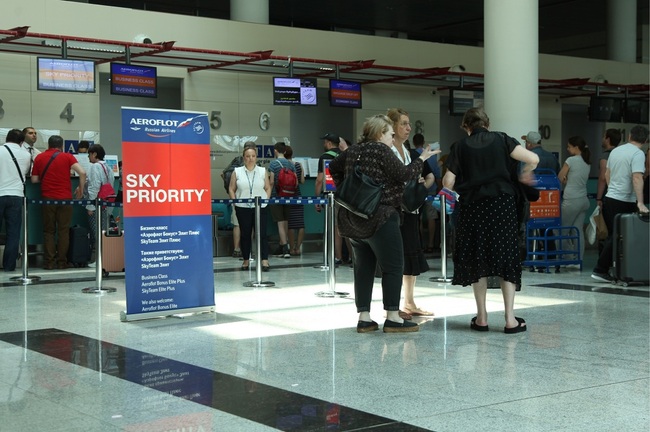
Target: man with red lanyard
pixel 52 169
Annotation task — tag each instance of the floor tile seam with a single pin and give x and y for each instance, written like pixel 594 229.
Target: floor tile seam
pixel 602 289
pixel 564 392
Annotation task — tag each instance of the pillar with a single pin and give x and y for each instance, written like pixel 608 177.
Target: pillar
pixel 621 30
pixel 254 11
pixel 511 57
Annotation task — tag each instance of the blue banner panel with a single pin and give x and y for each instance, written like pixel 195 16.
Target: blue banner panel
pixel 165 270
pixel 167 211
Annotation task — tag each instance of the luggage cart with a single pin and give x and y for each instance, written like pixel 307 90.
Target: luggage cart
pixel 544 233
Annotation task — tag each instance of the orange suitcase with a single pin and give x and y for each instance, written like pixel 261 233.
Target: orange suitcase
pixel 112 253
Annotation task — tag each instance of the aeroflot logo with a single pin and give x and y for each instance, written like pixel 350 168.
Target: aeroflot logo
pixel 160 128
pixel 153 122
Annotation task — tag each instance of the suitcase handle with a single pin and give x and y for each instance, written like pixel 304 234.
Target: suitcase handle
pixel 645 217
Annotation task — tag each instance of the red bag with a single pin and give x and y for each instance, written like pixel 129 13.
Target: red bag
pixel 106 191
pixel 287 185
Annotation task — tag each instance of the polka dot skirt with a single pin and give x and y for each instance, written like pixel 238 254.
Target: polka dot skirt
pixel 486 241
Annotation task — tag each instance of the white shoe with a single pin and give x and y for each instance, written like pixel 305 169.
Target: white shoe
pixel 92 264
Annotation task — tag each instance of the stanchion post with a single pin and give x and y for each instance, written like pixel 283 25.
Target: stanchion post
pixel 259 283
pixel 98 289
pixel 324 266
pixel 443 238
pixel 329 224
pixel 25 279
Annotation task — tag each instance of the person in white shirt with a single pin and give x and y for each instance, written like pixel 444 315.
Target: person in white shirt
pixel 14 167
pixel 624 175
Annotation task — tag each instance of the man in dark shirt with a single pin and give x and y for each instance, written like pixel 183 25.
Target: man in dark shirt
pixel 547 160
pixel 331 146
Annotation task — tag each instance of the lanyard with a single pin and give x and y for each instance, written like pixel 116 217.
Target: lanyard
pixel 250 183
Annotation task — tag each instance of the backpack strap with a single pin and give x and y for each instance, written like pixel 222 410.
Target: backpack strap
pixel 108 179
pixel 20 174
pixel 48 164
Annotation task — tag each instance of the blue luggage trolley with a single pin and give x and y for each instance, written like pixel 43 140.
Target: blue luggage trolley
pixel 545 234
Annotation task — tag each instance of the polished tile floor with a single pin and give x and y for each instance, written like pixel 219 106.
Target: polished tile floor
pixel 285 358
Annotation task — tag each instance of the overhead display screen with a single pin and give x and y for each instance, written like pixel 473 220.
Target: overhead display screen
pixel 133 80
pixel 345 93
pixel 294 91
pixel 66 75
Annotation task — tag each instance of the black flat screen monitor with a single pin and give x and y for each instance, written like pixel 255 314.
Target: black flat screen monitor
pixel 345 94
pixel 636 111
pixel 134 80
pixel 605 109
pixel 66 75
pixel 294 91
pixel 461 100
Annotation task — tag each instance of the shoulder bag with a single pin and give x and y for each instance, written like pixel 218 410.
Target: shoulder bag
pixel 414 196
pixel 358 193
pixel 106 191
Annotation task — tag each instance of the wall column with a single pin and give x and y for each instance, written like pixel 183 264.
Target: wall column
pixel 621 30
pixel 511 57
pixel 253 11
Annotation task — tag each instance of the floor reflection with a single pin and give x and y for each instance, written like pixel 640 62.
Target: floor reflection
pixel 257 402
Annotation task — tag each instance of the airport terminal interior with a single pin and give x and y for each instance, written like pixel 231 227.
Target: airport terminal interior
pixel 288 357
pixel 285 354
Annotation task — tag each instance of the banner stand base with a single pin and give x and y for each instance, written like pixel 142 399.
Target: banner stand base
pixel 124 317
pixel 26 280
pixel 330 294
pixel 259 284
pixel 440 279
pixel 98 290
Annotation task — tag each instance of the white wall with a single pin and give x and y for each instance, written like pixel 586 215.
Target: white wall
pixel 241 98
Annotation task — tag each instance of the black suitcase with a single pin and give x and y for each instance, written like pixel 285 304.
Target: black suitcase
pixel 79 250
pixel 631 243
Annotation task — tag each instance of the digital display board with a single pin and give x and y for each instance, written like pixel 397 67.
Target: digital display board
pixel 345 93
pixel 133 80
pixel 294 91
pixel 66 75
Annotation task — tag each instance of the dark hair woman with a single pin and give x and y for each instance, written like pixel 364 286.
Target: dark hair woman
pixel 479 168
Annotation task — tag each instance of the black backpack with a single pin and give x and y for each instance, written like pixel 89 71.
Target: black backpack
pixel 227 172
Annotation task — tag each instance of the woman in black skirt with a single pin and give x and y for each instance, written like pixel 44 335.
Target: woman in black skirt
pixel 414 261
pixel 479 169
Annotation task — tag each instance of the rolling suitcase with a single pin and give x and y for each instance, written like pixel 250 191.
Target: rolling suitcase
pixel 112 252
pixel 630 247
pixel 79 249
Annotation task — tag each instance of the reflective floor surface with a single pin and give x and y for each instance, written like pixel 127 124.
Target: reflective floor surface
pixel 284 358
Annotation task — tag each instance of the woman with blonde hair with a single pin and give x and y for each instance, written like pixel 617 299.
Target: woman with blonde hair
pixel 415 262
pixel 370 237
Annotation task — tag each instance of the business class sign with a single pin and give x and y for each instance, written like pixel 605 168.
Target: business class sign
pixel 167 212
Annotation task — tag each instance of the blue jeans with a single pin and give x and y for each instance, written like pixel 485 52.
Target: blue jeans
pixel 384 247
pixel 11 208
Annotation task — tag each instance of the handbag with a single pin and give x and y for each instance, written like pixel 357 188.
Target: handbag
pixel 601 226
pixel 106 191
pixel 414 196
pixel 358 193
